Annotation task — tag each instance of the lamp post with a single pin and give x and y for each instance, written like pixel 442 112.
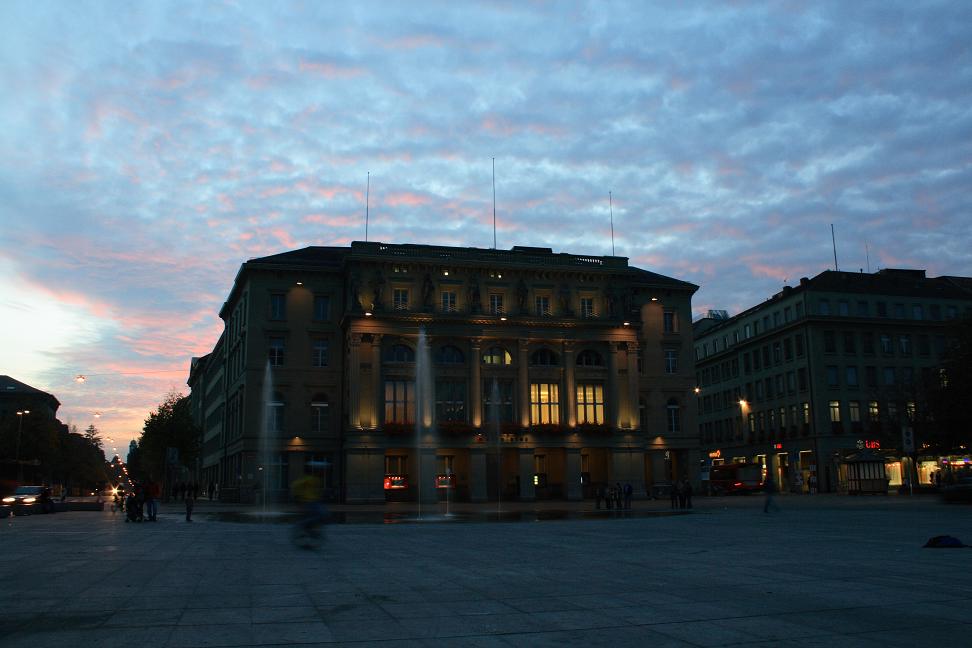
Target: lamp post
pixel 20 429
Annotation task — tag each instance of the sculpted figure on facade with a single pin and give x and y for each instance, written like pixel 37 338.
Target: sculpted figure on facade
pixel 428 291
pixel 378 285
pixel 354 293
pixel 521 295
pixel 475 304
pixel 565 308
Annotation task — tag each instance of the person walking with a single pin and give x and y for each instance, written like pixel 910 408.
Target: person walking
pixel 309 492
pixel 770 488
pixel 618 495
pixel 812 484
pixel 598 496
pixel 152 493
pixel 628 492
pixel 687 492
pixel 190 503
pixel 674 494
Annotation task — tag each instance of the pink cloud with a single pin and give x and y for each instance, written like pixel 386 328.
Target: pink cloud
pixel 405 198
pixel 328 70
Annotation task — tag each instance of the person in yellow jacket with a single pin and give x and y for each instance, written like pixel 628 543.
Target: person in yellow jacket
pixel 309 492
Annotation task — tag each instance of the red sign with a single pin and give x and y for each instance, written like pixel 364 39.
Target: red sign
pixel 872 444
pixel 396 482
pixel 778 446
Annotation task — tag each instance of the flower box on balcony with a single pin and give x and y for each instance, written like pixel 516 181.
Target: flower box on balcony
pixel 399 429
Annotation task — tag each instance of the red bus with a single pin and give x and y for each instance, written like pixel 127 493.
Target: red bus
pixel 736 478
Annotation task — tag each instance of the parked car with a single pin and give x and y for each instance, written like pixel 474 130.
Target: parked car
pixel 29 499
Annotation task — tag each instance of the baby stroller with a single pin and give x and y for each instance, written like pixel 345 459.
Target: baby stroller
pixel 133 509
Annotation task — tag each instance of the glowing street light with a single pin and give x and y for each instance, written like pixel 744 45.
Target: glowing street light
pixel 80 378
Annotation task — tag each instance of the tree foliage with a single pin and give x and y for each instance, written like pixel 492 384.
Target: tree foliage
pixel 51 453
pixel 169 426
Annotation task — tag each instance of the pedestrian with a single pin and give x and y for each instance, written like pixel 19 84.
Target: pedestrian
pixel 152 493
pixel 598 496
pixel 139 512
pixel 798 482
pixel 628 492
pixel 770 488
pixel 309 492
pixel 210 490
pixel 812 484
pixel 687 492
pixel 609 497
pixel 674 493
pixel 618 495
pixel 189 504
pixel 681 493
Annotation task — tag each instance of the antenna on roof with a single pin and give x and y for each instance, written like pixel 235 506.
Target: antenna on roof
pixel 834 241
pixel 367 200
pixel 867 255
pixel 611 207
pixel 494 203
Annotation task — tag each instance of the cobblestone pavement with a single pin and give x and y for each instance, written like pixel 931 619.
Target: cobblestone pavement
pixel 824 571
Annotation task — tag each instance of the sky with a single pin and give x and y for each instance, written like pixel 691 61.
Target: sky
pixel 148 149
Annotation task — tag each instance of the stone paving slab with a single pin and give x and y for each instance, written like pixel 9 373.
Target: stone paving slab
pixel 826 571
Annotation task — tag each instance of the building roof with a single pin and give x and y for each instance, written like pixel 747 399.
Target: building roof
pixel 14 388
pixel 891 282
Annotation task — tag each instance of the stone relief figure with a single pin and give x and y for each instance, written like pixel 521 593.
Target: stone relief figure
pixel 378 285
pixel 611 296
pixel 565 300
pixel 475 300
pixel 428 291
pixel 521 296
pixel 354 293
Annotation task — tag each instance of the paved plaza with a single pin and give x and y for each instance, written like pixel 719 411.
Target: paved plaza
pixel 825 571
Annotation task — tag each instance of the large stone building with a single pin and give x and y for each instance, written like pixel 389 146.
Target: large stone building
pixel 822 370
pixel 409 371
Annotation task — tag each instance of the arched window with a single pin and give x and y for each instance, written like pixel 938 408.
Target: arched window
pixel 450 355
pixel 275 413
pixel 672 411
pixel 320 413
pixel 497 356
pixel 544 358
pixel 589 358
pixel 401 353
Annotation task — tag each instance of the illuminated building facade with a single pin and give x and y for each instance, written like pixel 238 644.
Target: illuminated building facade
pixel 823 370
pixel 413 371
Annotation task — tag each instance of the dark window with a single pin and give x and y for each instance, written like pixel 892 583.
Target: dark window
pixel 870 375
pixel 802 378
pixel 669 321
pixel 589 358
pixel 867 343
pixel 832 377
pixel 823 307
pixel 401 353
pixel 322 307
pixel 450 355
pixel 450 400
pixel 278 306
pixel 276 351
pixel 849 345
pixel 851 375
pixel 673 417
pixel 798 343
pixel 544 358
pixel 319 353
pixel 787 349
pixel 320 413
pixel 399 401
pixel 862 309
pixel 830 341
pixel 498 401
pixel 882 309
pixel 497 356
pixel 671 361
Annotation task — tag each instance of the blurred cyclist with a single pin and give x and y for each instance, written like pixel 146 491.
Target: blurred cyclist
pixel 309 492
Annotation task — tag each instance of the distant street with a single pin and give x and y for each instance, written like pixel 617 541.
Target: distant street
pixel 825 571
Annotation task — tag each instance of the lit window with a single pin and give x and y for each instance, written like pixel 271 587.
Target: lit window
pixel 590 404
pixel 544 403
pixel 834 411
pixel 497 356
pixel 399 401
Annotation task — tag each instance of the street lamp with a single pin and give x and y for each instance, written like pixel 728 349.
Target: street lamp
pixel 20 429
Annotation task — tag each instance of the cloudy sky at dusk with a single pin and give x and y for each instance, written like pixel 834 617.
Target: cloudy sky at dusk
pixel 147 149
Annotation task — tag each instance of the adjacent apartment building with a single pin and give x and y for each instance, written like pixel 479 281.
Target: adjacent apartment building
pixel 823 370
pixel 419 372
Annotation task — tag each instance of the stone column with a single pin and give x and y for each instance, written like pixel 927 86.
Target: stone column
pixel 378 394
pixel 477 475
pixel 614 395
pixel 523 384
pixel 569 388
pixel 354 380
pixel 475 383
pixel 528 491
pixel 633 421
pixel 575 491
